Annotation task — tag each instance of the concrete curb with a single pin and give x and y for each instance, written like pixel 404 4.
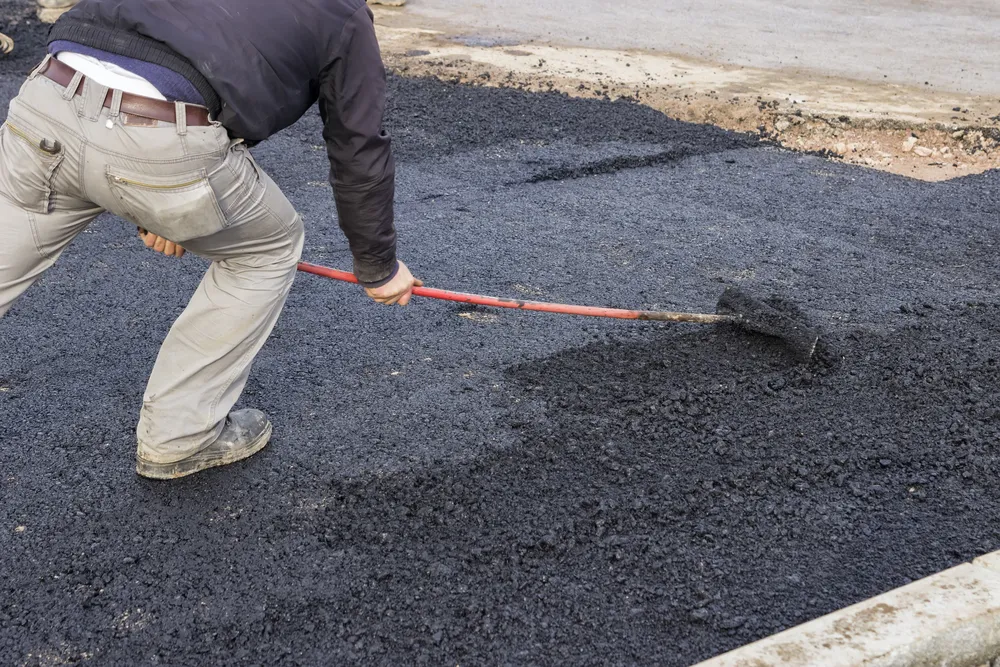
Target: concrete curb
pixel 950 619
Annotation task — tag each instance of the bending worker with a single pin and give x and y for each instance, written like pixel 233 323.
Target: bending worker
pixel 145 108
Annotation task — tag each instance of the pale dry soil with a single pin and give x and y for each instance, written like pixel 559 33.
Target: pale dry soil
pixel 921 132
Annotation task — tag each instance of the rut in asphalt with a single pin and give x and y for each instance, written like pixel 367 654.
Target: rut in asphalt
pixel 452 484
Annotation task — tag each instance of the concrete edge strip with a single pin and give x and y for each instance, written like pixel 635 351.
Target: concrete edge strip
pixel 949 619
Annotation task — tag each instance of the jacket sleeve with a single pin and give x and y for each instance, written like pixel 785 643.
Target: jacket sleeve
pixel 352 97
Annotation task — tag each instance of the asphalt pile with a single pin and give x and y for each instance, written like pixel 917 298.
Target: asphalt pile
pixel 453 484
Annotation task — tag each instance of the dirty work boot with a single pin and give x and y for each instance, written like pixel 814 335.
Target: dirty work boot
pixel 245 433
pixel 50 10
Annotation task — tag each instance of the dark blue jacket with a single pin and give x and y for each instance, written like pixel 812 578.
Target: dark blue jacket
pixel 260 65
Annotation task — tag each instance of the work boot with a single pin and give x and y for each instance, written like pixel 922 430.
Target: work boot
pixel 245 433
pixel 50 10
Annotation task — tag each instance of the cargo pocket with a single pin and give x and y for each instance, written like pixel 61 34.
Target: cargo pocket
pixel 178 208
pixel 29 162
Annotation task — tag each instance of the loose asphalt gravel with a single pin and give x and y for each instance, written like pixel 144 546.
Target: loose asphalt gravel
pixel 452 485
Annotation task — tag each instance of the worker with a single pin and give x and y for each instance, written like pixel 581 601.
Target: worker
pixel 146 108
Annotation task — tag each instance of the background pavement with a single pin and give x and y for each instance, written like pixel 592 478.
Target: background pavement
pixel 951 44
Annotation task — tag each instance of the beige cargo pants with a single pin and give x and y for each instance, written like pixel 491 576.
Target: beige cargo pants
pixel 65 159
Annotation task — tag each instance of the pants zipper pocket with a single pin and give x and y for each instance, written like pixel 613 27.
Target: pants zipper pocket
pixel 43 147
pixel 172 186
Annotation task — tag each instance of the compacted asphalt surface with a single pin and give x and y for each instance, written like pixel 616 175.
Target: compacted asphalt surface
pixel 456 485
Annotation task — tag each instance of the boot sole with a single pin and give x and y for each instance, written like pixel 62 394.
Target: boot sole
pixel 190 466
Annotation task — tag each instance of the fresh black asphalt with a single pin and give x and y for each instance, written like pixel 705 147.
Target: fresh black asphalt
pixel 452 485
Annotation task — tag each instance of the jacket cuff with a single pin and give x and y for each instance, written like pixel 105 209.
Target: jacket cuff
pixel 377 275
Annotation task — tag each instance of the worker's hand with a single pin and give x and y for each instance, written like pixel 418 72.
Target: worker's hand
pixel 160 244
pixel 398 290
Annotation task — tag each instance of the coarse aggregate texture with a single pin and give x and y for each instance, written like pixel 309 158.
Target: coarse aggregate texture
pixel 452 484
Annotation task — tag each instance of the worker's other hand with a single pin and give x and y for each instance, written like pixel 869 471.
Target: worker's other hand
pixel 160 244
pixel 398 290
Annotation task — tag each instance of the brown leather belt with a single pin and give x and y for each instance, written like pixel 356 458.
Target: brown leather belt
pixel 136 105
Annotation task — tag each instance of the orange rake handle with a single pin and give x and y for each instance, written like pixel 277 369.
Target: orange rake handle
pixel 561 308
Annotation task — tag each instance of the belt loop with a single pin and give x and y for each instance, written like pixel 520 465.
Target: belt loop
pixel 116 104
pixel 74 85
pixel 92 100
pixel 180 110
pixel 41 67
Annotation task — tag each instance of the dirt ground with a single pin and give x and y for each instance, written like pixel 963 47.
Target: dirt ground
pixel 460 485
pixel 917 131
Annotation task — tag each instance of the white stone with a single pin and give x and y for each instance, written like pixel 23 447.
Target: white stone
pixel 990 561
pixel 908 145
pixel 923 151
pixel 951 618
